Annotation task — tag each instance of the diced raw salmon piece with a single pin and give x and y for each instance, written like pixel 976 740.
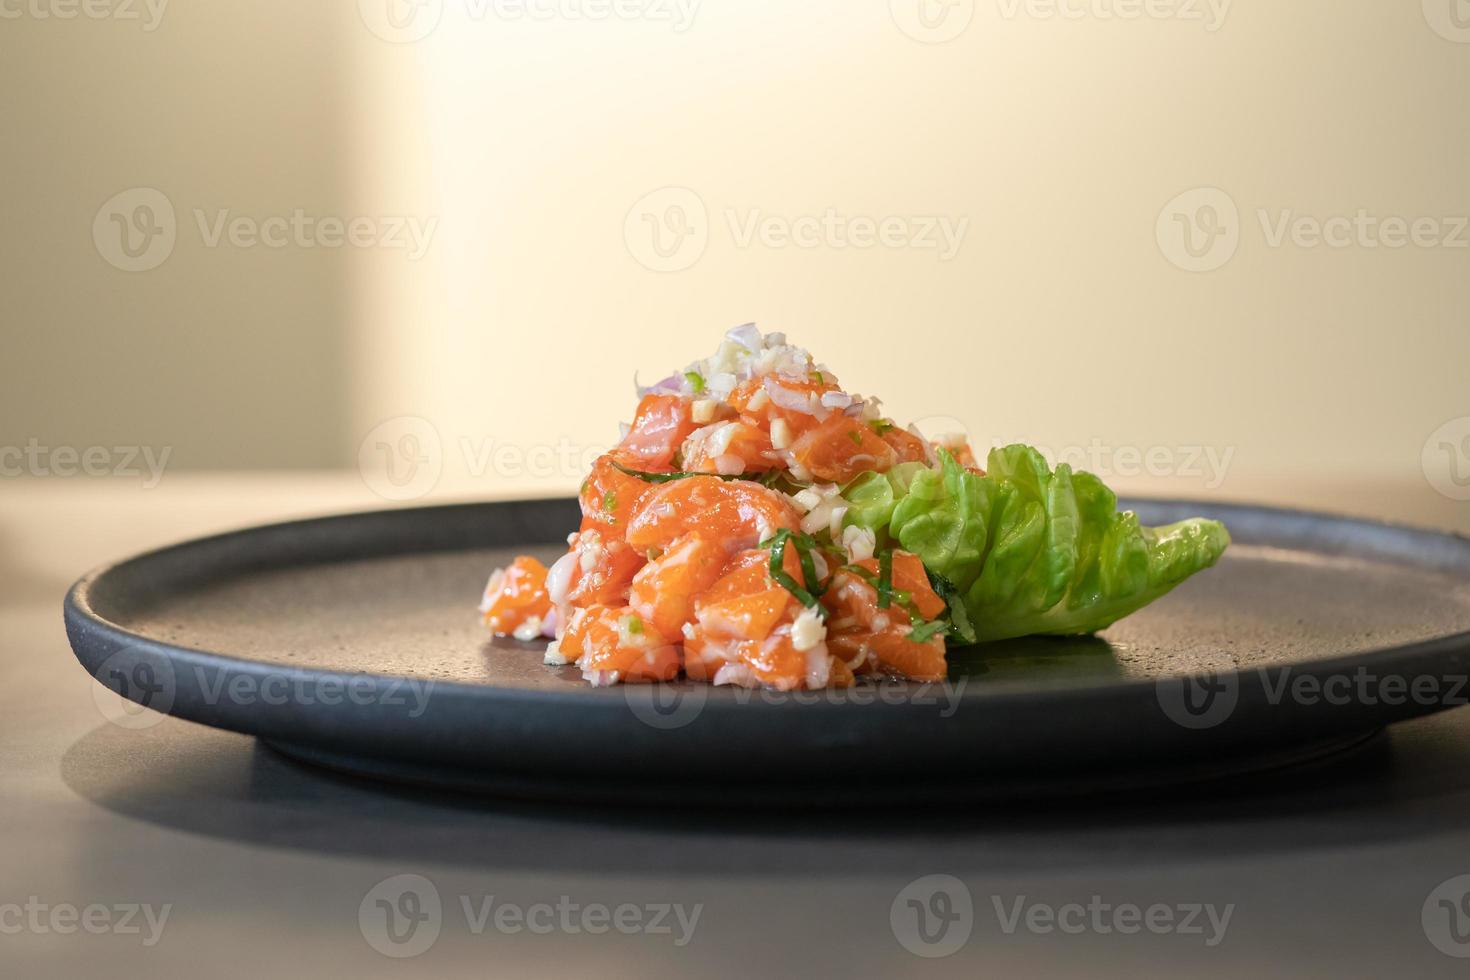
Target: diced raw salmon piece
pixel 663 590
pixel 908 447
pixel 659 428
pixel 841 448
pixel 516 597
pixel 753 400
pixel 729 449
pixel 736 514
pixel 615 645
pixel 609 496
pixel 604 569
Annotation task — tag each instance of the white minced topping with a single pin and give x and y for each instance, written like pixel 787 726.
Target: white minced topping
pixel 559 578
pixel 703 410
pixel 528 630
pixel 743 354
pixel 808 630
pixel 837 399
pixel 780 434
pixel 554 657
pixel 717 437
pixel 736 674
pixel 858 542
pixel 589 550
pixel 492 589
pixel 952 440
pixel 823 508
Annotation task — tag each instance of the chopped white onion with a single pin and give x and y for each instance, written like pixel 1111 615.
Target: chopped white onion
pixel 747 336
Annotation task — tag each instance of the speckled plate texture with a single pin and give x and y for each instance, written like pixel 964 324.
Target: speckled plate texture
pixel 353 642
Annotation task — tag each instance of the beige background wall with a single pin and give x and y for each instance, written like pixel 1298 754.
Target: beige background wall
pixel 531 146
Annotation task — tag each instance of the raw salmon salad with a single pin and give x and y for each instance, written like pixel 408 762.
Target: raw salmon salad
pixel 761 526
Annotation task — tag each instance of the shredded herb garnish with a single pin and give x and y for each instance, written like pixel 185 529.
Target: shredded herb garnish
pixel 885 579
pixel 925 631
pixel 803 544
pixel 959 620
pixel 647 477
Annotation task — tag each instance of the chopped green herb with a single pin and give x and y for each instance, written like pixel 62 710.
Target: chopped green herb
pixel 925 631
pixel 959 625
pixel 855 436
pixel 803 545
pixel 633 624
pixel 885 579
pixel 819 377
pixel 671 477
pixel 696 381
pixel 880 426
pixel 610 501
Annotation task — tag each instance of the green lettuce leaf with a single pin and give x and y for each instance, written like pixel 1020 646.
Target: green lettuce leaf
pixel 1033 550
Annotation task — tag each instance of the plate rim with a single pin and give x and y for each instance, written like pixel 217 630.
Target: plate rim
pixel 79 612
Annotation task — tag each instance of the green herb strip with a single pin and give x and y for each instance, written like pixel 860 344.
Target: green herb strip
pixel 806 596
pixel 959 620
pixel 889 596
pixel 924 632
pixel 885 579
pixel 671 477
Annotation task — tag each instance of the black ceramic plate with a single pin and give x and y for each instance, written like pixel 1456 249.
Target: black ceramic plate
pixel 353 642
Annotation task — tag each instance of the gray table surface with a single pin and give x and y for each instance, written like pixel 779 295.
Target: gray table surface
pixel 260 864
